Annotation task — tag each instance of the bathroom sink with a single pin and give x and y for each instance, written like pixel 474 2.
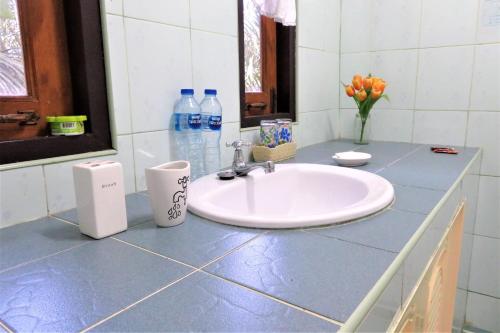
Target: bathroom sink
pixel 295 195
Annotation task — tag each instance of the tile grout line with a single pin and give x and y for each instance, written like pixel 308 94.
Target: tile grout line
pixel 234 249
pixel 419 48
pixel 309 312
pixel 44 257
pixel 479 293
pixel 77 225
pixel 417 109
pixel 46 191
pixel 86 329
pixel 154 253
pixel 195 270
pixel 417 73
pixel 404 156
pixel 176 25
pixel 349 241
pixel 5 327
pixel 200 270
pixel 64 220
pixel 474 53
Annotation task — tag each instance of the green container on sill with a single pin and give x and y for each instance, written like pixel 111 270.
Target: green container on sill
pixel 66 125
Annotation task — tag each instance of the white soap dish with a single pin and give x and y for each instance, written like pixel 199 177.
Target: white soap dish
pixel 351 158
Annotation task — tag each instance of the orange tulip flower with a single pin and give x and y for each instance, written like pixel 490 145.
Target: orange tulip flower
pixel 361 95
pixel 367 83
pixel 375 93
pixel 379 85
pixel 349 90
pixel 357 81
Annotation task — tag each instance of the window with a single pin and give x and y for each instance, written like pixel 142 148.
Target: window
pixel 34 62
pixel 267 67
pixel 51 63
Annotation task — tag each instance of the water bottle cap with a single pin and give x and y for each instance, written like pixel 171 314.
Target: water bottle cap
pixel 187 91
pixel 210 92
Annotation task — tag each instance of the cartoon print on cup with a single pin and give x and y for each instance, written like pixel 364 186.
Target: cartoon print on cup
pixel 174 212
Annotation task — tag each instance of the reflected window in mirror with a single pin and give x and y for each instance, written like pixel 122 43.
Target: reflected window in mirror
pixel 267 67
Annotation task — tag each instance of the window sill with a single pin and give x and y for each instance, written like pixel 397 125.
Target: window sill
pixel 256 128
pixel 58 159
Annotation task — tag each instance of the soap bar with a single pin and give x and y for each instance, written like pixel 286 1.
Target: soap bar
pixel 100 198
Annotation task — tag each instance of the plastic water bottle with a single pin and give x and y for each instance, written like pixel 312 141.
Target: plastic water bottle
pixel 187 132
pixel 211 123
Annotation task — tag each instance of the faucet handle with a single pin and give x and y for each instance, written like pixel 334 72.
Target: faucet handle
pixel 238 144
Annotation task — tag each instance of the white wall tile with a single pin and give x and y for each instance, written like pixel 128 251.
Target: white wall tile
pixel 486 78
pixel 311 23
pixel 460 306
pixel 482 312
pixel 334 117
pixel 113 7
pixel 230 133
pixel 482 131
pixel 440 127
pixel 488 210
pixel 448 22
pixel 22 195
pixel 399 69
pixel 118 74
pixel 150 149
pixel 488 29
pixel 391 125
pixel 331 30
pixel 465 256
pixel 484 275
pixel 470 187
pixel 174 12
pixel 60 187
pixel 317 80
pixel 379 24
pixel 59 176
pixel 215 65
pixel 355 19
pixel 317 127
pixel 126 157
pixel 159 58
pixel 215 15
pixel 444 78
pixel 253 137
pixel 347 117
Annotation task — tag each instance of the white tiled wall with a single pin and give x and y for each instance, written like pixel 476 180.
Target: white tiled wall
pixel 441 60
pixel 156 47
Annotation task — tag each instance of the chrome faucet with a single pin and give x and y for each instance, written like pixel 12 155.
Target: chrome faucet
pixel 240 168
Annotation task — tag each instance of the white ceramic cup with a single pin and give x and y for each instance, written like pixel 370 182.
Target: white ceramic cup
pixel 168 191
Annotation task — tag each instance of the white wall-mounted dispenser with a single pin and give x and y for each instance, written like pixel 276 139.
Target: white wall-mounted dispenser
pixel 100 198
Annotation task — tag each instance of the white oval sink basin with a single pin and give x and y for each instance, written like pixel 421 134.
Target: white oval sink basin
pixel 295 195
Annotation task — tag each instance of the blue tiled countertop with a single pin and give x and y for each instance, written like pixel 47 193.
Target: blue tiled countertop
pixel 202 275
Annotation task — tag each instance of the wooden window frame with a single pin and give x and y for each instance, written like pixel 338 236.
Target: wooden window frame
pixel 285 105
pixel 89 90
pixel 268 74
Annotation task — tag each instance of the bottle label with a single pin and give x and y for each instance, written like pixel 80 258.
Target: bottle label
pixel 180 122
pixel 194 121
pixel 215 123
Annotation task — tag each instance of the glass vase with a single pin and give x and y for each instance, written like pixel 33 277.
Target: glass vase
pixel 362 130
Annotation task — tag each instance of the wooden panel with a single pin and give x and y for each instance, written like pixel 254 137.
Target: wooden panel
pixel 47 68
pixel 284 105
pixel 431 306
pixel 86 59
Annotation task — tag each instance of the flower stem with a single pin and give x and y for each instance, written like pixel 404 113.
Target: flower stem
pixel 363 123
